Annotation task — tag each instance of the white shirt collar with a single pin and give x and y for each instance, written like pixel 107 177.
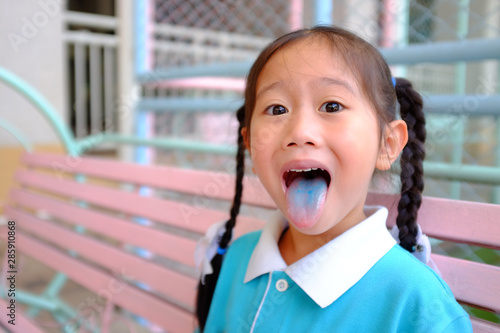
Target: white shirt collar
pixel 352 254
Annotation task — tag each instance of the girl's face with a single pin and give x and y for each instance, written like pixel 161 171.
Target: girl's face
pixel 310 113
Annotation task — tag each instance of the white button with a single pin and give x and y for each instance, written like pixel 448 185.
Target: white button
pixel 282 285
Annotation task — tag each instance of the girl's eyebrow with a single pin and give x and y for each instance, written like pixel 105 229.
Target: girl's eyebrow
pixel 323 81
pixel 328 81
pixel 269 87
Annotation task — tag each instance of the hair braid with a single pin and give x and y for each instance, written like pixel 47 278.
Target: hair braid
pixel 206 290
pixel 412 173
pixel 240 172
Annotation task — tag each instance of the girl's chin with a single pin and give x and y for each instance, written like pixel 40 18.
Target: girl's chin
pixel 310 228
pixel 304 225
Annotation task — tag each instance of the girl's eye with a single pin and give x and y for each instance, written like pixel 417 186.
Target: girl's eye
pixel 331 107
pixel 276 110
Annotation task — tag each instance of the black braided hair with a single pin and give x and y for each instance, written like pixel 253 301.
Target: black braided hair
pixel 412 172
pixel 206 290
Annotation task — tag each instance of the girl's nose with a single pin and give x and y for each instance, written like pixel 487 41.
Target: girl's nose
pixel 302 130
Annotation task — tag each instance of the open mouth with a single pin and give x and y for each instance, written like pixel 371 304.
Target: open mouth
pixel 290 175
pixel 306 189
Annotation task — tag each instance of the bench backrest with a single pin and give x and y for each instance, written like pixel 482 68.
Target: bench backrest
pixel 68 209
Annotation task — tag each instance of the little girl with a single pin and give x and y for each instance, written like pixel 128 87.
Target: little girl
pixel 319 118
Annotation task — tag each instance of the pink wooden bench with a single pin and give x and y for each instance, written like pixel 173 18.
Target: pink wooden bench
pixel 57 193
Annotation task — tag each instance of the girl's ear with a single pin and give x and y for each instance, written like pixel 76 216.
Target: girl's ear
pixel 394 139
pixel 245 139
pixel 247 143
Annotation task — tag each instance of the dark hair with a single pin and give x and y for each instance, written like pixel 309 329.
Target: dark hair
pixel 412 158
pixel 206 290
pixel 374 78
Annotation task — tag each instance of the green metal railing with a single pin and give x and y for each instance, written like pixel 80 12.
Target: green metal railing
pixel 448 171
pixel 43 106
pixel 17 134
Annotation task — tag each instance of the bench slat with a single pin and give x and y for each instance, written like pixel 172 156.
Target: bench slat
pixel 180 287
pixel 450 219
pixel 203 183
pixel 137 301
pixel 164 211
pixel 170 246
pixel 22 324
pixel 471 282
pixel 483 326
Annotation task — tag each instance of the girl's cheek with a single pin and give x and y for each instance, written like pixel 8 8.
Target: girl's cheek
pixel 267 132
pixel 263 137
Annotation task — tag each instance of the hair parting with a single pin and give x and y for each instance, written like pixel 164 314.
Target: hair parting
pixel 206 290
pixel 412 171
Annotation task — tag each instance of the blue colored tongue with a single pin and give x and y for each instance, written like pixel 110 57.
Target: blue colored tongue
pixel 305 199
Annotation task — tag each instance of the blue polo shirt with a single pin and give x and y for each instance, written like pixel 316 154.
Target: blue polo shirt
pixel 361 281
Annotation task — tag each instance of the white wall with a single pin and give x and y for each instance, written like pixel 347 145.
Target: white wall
pixel 31 47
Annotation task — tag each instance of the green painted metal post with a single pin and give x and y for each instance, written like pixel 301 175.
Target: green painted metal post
pixel 55 285
pixel 496 190
pixel 495 198
pixel 460 88
pixel 403 33
pixel 65 323
pixel 35 300
pixel 457 152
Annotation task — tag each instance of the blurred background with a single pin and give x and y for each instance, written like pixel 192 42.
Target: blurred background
pixel 158 81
